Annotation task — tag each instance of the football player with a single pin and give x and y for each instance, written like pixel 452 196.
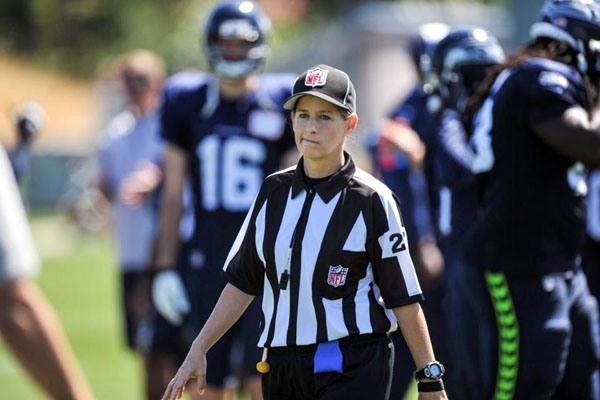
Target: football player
pixel 540 116
pixel 129 157
pixel 225 132
pixel 459 63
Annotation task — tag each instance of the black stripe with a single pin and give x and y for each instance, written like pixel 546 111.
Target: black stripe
pixel 379 321
pixel 275 209
pixel 296 266
pixel 350 315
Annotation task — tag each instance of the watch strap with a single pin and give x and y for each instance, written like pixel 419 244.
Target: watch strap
pixel 433 386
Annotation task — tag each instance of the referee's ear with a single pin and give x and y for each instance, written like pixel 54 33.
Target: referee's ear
pixel 352 123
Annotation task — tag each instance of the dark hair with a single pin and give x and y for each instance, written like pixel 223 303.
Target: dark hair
pixel 540 48
pixel 345 113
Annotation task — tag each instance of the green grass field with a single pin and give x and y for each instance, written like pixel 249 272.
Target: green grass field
pixel 81 280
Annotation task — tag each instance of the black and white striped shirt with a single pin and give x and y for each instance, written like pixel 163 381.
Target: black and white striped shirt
pixel 329 261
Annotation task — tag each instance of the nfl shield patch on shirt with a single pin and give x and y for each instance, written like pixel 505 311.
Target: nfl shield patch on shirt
pixel 337 275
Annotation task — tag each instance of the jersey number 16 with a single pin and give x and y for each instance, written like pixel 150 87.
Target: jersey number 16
pixel 230 172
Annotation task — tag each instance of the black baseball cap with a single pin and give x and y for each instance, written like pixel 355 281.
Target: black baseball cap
pixel 327 83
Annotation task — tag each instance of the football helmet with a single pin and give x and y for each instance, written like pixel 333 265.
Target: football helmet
pixel 460 61
pixel 421 49
pixel 241 20
pixel 576 22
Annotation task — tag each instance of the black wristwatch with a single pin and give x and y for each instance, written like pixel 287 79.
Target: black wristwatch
pixel 434 370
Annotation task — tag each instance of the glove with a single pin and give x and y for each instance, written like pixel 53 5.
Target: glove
pixel 169 296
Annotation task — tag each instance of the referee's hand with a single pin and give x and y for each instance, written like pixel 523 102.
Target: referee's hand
pixel 194 366
pixel 441 395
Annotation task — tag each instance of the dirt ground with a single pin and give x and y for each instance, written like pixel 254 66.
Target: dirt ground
pixel 72 115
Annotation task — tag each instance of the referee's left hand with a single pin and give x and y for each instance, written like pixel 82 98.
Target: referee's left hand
pixel 194 366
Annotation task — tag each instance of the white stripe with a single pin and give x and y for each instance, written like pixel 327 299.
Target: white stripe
pixel 260 227
pixel 268 301
pixel 282 319
pixel 283 171
pixel 334 315
pixel 358 235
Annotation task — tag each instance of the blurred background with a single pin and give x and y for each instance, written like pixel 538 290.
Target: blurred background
pixel 61 54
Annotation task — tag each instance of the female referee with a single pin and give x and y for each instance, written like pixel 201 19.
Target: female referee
pixel 324 246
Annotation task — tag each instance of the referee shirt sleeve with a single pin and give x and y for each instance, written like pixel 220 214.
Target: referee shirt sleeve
pixel 243 267
pixel 393 268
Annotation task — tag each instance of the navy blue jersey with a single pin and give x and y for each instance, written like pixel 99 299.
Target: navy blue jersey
pixel 231 148
pixel 533 220
pixel 415 109
pixel 413 188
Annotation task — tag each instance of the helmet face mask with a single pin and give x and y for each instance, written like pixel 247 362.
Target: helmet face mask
pixel 593 59
pixel 576 22
pixel 460 62
pixel 241 22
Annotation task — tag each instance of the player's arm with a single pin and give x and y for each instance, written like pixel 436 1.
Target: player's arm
pixel 171 207
pixel 575 134
pixel 400 134
pixel 168 291
pixel 231 305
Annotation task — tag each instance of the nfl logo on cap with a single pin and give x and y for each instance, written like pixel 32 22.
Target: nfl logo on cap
pixel 316 77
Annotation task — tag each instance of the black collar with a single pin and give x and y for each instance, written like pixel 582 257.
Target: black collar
pixel 328 189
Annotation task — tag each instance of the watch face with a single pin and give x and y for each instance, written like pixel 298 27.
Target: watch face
pixel 435 370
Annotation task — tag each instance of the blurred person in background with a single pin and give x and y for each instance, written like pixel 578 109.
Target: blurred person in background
pixel 539 114
pixel 224 132
pixel 28 322
pixel 460 62
pixel 400 156
pixel 130 158
pixel 28 119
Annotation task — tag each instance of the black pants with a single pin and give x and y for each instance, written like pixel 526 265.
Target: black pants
pixel 367 372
